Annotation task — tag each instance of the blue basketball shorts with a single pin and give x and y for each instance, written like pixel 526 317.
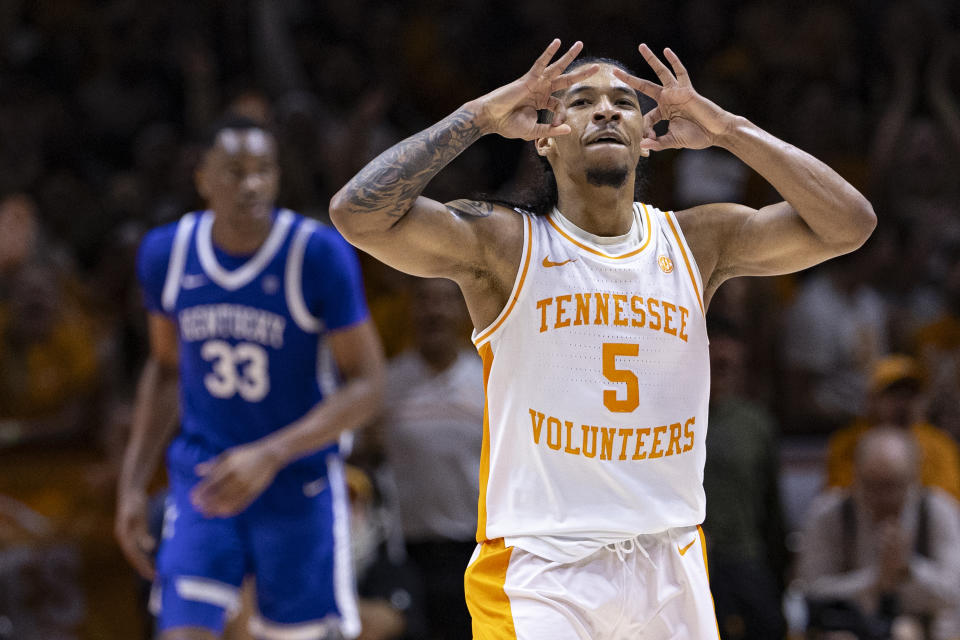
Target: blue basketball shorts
pixel 294 541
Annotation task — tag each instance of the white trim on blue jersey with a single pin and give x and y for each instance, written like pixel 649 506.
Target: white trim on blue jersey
pixel 198 589
pixel 344 584
pixel 233 280
pixel 178 259
pixel 294 279
pixel 262 628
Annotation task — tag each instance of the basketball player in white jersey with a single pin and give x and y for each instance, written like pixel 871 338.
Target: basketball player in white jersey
pixel 589 318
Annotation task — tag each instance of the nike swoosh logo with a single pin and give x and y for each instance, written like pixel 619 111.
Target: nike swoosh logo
pixel 686 548
pixel 549 263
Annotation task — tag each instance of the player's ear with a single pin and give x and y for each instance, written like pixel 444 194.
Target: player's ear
pixel 543 146
pixel 201 181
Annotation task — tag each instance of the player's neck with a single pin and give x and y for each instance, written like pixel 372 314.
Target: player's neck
pixel 602 211
pixel 240 235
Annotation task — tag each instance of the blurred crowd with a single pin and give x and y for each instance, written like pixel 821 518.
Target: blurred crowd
pixel 101 105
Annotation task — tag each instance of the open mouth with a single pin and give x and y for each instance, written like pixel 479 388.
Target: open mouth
pixel 606 138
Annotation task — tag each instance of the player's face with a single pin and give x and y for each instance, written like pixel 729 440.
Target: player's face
pixel 606 128
pixel 239 174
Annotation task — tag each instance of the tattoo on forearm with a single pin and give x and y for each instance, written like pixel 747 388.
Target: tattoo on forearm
pixel 470 208
pixel 392 181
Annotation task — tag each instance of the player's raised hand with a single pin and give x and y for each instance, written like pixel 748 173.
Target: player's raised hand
pixel 233 480
pixel 511 110
pixel 694 121
pixel 130 529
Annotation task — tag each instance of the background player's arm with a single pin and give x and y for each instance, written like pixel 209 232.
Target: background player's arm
pixel 154 422
pixel 382 212
pixel 234 479
pixel 822 216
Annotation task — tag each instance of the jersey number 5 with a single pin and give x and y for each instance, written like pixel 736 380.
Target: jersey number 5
pixel 240 369
pixel 610 400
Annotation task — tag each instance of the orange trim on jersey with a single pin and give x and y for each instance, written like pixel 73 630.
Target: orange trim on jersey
pixel 703 548
pixel 516 294
pixel 487 601
pixel 486 354
pixel 686 260
pixel 646 240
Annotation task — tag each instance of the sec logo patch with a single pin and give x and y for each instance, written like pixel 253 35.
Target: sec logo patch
pixel 666 264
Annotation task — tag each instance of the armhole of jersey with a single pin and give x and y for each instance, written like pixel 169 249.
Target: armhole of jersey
pixel 178 259
pixel 479 337
pixel 294 279
pixel 693 271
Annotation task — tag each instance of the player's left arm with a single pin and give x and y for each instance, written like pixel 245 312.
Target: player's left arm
pixel 822 215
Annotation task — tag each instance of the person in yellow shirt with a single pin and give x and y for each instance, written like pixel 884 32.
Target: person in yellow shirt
pixel 896 386
pixel 49 366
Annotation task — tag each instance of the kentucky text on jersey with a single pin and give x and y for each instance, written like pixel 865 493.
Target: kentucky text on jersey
pixel 616 309
pixel 235 321
pixel 640 443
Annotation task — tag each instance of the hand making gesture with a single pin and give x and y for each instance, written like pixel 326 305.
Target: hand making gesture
pixel 695 122
pixel 511 110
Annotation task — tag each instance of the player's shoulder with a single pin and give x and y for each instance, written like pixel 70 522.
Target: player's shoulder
pixel 156 248
pixel 495 221
pixel 160 237
pixel 713 216
pixel 157 243
pixel 475 209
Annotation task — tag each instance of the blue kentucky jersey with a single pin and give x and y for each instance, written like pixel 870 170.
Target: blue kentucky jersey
pixel 253 353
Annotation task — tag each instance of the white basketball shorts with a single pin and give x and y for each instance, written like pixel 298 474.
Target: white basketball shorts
pixel 652 587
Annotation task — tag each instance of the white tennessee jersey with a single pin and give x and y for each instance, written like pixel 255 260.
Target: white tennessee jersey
pixel 597 382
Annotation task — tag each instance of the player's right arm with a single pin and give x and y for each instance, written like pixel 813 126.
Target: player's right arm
pixel 156 414
pixel 382 212
pixel 154 422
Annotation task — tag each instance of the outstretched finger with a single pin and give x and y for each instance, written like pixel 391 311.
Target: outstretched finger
pixel 666 141
pixel 651 89
pixel 666 78
pixel 651 118
pixel 651 144
pixel 678 68
pixel 564 61
pixel 541 63
pixel 575 76
pixel 545 130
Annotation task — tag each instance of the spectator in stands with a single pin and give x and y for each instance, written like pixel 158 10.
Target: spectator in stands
pixel 744 526
pixel 938 343
pixel 18 234
pixel 432 431
pixel 884 551
pixel 390 586
pixel 49 365
pixel 836 326
pixel 896 385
